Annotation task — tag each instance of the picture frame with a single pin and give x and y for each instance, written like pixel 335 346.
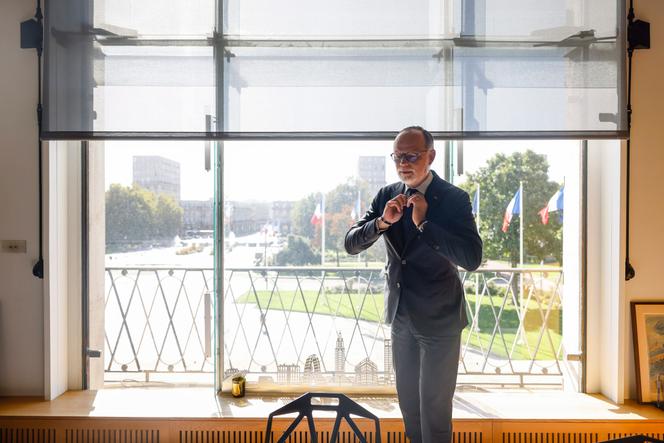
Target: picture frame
pixel 648 337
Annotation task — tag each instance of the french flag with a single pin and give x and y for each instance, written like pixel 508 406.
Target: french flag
pixel 555 204
pixel 317 217
pixel 355 212
pixel 513 208
pixel 476 202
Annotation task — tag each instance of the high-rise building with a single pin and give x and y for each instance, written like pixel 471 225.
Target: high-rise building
pixel 246 218
pixel 371 169
pixel 157 174
pixel 280 215
pixel 197 214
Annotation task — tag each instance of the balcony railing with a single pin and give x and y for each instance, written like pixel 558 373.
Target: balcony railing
pixel 290 325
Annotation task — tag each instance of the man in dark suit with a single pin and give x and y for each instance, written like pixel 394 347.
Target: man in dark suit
pixel 429 230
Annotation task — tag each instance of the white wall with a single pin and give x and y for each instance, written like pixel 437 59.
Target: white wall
pixel 62 277
pixel 605 317
pixel 21 306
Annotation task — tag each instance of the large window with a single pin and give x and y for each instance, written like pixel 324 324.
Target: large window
pixel 299 102
pixel 159 256
pixel 296 309
pixel 300 311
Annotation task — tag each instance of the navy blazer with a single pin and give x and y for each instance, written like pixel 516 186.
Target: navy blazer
pixel 421 270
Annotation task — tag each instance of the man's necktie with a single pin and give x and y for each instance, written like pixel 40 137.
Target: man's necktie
pixel 407 218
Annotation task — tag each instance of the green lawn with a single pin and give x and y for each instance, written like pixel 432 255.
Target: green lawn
pixel 509 322
pixel 347 306
pixel 342 305
pixel 501 348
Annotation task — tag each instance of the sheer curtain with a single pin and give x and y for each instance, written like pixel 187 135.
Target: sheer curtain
pixel 296 68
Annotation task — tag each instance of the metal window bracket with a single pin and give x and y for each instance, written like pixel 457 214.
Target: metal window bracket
pixel 638 37
pixel 32 37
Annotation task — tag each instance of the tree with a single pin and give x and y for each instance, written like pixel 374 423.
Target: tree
pixel 301 214
pixel 297 252
pixel 128 214
pixel 339 203
pixel 499 181
pixel 337 224
pixel 168 217
pixel 134 214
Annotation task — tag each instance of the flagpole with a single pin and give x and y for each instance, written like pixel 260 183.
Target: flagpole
pixel 358 208
pixel 521 336
pixel 521 211
pixel 477 274
pixel 521 223
pixel 479 196
pixel 322 246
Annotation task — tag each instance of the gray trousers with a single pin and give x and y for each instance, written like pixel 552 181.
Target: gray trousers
pixel 426 372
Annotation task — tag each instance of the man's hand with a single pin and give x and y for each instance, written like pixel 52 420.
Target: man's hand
pixel 420 206
pixel 394 208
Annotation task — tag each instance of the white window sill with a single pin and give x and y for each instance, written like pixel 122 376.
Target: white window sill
pixel 201 402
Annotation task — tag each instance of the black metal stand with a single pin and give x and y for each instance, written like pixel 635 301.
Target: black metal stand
pixel 638 37
pixel 32 37
pixel 303 405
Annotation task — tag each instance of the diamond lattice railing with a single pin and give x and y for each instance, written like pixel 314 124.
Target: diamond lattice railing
pixel 292 325
pixel 158 320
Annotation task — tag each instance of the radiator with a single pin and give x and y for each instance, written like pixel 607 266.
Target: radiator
pixel 216 430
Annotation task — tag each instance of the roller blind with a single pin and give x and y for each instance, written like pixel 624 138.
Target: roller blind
pixel 313 68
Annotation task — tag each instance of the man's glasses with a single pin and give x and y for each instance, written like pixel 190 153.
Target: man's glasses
pixel 408 157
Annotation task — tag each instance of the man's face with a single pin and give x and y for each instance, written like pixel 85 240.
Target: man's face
pixel 411 146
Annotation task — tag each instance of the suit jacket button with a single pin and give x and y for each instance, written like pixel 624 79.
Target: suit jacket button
pixel 403 262
pixel 436 247
pixel 398 285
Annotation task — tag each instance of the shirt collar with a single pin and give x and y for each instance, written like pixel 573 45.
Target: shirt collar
pixel 422 188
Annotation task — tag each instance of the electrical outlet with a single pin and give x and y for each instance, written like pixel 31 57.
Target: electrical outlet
pixel 13 246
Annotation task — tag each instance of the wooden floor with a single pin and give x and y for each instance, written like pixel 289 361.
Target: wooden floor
pixel 197 415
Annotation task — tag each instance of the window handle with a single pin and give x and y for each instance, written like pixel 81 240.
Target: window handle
pixel 93 353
